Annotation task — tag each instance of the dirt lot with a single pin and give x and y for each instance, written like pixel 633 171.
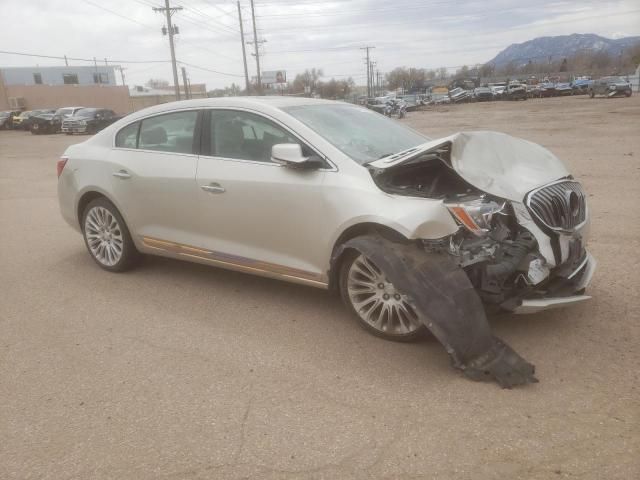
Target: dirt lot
pixel 181 371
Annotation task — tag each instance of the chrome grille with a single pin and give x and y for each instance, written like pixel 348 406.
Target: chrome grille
pixel 560 206
pixel 71 124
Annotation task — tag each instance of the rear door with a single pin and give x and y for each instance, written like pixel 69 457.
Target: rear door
pixel 153 169
pixel 253 211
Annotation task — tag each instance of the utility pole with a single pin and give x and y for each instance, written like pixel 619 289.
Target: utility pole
pixel 372 75
pixel 169 11
pixel 255 45
pixel 244 53
pixel 367 48
pixel 186 85
pixel 122 74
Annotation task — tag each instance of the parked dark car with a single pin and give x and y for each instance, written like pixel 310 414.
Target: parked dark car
pixel 377 104
pixel 563 89
pixel 412 101
pixel 51 122
pixel 581 87
pixel 6 119
pixel 88 120
pixel 23 121
pixel 515 91
pixel 611 87
pixel 483 94
pixel 460 95
pixel 547 90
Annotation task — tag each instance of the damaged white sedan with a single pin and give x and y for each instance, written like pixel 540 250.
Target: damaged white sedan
pixel 414 233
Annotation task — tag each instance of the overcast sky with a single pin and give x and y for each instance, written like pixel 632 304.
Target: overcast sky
pixel 299 34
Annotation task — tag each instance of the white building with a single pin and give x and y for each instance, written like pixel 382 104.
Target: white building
pixel 85 75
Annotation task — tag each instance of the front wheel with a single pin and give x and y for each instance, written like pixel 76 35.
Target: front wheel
pixel 378 306
pixel 107 237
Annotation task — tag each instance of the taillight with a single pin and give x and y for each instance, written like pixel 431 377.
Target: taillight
pixel 61 163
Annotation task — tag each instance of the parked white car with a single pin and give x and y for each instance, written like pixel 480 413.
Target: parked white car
pixel 336 196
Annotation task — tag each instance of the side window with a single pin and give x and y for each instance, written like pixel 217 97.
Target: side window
pixel 128 136
pixel 171 132
pixel 245 135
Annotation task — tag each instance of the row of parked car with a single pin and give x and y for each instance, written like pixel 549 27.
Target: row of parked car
pixel 514 90
pixel 607 86
pixel 67 120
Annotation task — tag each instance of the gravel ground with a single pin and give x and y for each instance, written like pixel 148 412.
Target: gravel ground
pixel 180 371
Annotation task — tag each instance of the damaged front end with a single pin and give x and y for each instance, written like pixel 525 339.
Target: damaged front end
pixel 522 222
pixel 522 228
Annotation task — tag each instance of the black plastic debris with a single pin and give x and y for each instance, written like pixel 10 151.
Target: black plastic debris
pixel 444 299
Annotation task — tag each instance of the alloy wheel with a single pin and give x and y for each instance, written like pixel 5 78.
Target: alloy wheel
pixel 104 236
pixel 377 302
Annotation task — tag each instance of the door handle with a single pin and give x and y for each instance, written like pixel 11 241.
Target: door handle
pixel 213 188
pixel 122 174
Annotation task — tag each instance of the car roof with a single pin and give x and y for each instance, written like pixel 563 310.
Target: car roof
pixel 258 103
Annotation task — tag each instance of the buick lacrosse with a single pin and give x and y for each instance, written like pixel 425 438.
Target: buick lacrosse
pixel 413 233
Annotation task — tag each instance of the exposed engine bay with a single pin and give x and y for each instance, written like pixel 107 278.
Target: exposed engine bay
pixel 500 256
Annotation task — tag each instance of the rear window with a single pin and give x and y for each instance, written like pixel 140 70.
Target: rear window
pixel 171 132
pixel 128 136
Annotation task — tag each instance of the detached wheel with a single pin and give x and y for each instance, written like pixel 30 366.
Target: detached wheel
pixel 379 307
pixel 107 236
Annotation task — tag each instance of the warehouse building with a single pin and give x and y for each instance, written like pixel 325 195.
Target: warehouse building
pixel 28 88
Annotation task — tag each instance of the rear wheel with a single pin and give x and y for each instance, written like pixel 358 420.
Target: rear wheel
pixel 107 237
pixel 380 308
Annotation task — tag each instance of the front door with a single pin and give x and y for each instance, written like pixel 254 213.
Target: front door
pixel 254 212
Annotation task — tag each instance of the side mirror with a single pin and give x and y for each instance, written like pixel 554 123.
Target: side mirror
pixel 287 154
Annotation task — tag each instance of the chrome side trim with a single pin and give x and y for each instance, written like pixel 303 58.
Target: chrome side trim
pixel 237 263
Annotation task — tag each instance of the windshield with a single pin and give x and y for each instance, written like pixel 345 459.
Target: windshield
pixel 363 135
pixel 4 114
pixel 85 112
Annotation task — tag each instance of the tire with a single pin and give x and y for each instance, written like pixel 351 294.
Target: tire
pixel 627 93
pixel 592 94
pixel 396 325
pixel 107 237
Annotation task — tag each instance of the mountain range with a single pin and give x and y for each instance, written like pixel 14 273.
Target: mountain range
pixel 539 49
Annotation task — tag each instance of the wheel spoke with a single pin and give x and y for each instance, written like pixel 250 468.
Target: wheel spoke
pixel 104 236
pixel 377 302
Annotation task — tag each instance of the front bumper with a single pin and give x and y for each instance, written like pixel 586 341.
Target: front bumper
pixel 576 281
pixel 82 129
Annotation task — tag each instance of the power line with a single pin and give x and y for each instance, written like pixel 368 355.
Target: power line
pixel 77 59
pixel 210 70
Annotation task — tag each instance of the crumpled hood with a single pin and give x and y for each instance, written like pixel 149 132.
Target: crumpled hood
pixel 497 163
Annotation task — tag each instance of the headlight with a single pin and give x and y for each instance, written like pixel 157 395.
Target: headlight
pixel 612 87
pixel 476 214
